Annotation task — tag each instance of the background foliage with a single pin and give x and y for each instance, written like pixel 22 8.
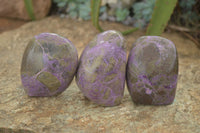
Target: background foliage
pixel 74 8
pixel 186 14
pixel 142 12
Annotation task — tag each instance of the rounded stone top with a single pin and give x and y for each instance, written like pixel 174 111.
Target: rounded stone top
pixel 52 38
pixel 113 37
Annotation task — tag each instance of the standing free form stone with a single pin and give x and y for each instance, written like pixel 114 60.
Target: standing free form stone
pixel 101 71
pixel 49 64
pixel 152 71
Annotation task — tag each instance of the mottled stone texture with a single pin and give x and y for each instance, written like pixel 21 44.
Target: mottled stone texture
pixel 152 71
pixel 101 72
pixel 48 65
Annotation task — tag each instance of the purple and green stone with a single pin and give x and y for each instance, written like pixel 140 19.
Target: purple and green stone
pixel 49 64
pixel 152 71
pixel 101 71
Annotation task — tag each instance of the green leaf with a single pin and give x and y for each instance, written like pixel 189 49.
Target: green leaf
pixel 142 12
pixel 103 9
pixel 161 15
pixel 147 11
pixel 187 4
pixel 62 4
pixel 29 8
pixel 84 11
pixel 73 14
pixel 121 14
pixel 72 6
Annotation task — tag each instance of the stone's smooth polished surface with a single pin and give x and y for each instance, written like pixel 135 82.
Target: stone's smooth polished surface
pixel 152 71
pixel 49 64
pixel 101 72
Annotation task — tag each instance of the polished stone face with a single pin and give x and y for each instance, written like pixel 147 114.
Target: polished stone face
pixel 101 72
pixel 152 71
pixel 48 65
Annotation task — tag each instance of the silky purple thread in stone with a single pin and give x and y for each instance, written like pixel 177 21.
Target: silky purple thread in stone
pixel 152 71
pixel 48 65
pixel 101 71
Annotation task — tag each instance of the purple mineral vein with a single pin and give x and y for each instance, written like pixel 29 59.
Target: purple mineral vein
pixel 158 86
pixel 52 65
pixel 99 90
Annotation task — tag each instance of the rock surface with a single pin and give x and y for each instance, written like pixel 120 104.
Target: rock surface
pixel 10 24
pixel 71 112
pixel 16 9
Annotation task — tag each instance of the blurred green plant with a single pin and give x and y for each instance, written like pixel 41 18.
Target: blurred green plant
pixel 95 8
pixel 187 4
pixel 121 14
pixel 187 15
pixel 162 11
pixel 75 8
pixel 29 8
pixel 142 12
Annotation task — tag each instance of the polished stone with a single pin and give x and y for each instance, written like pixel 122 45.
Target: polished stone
pixel 101 73
pixel 49 64
pixel 152 71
